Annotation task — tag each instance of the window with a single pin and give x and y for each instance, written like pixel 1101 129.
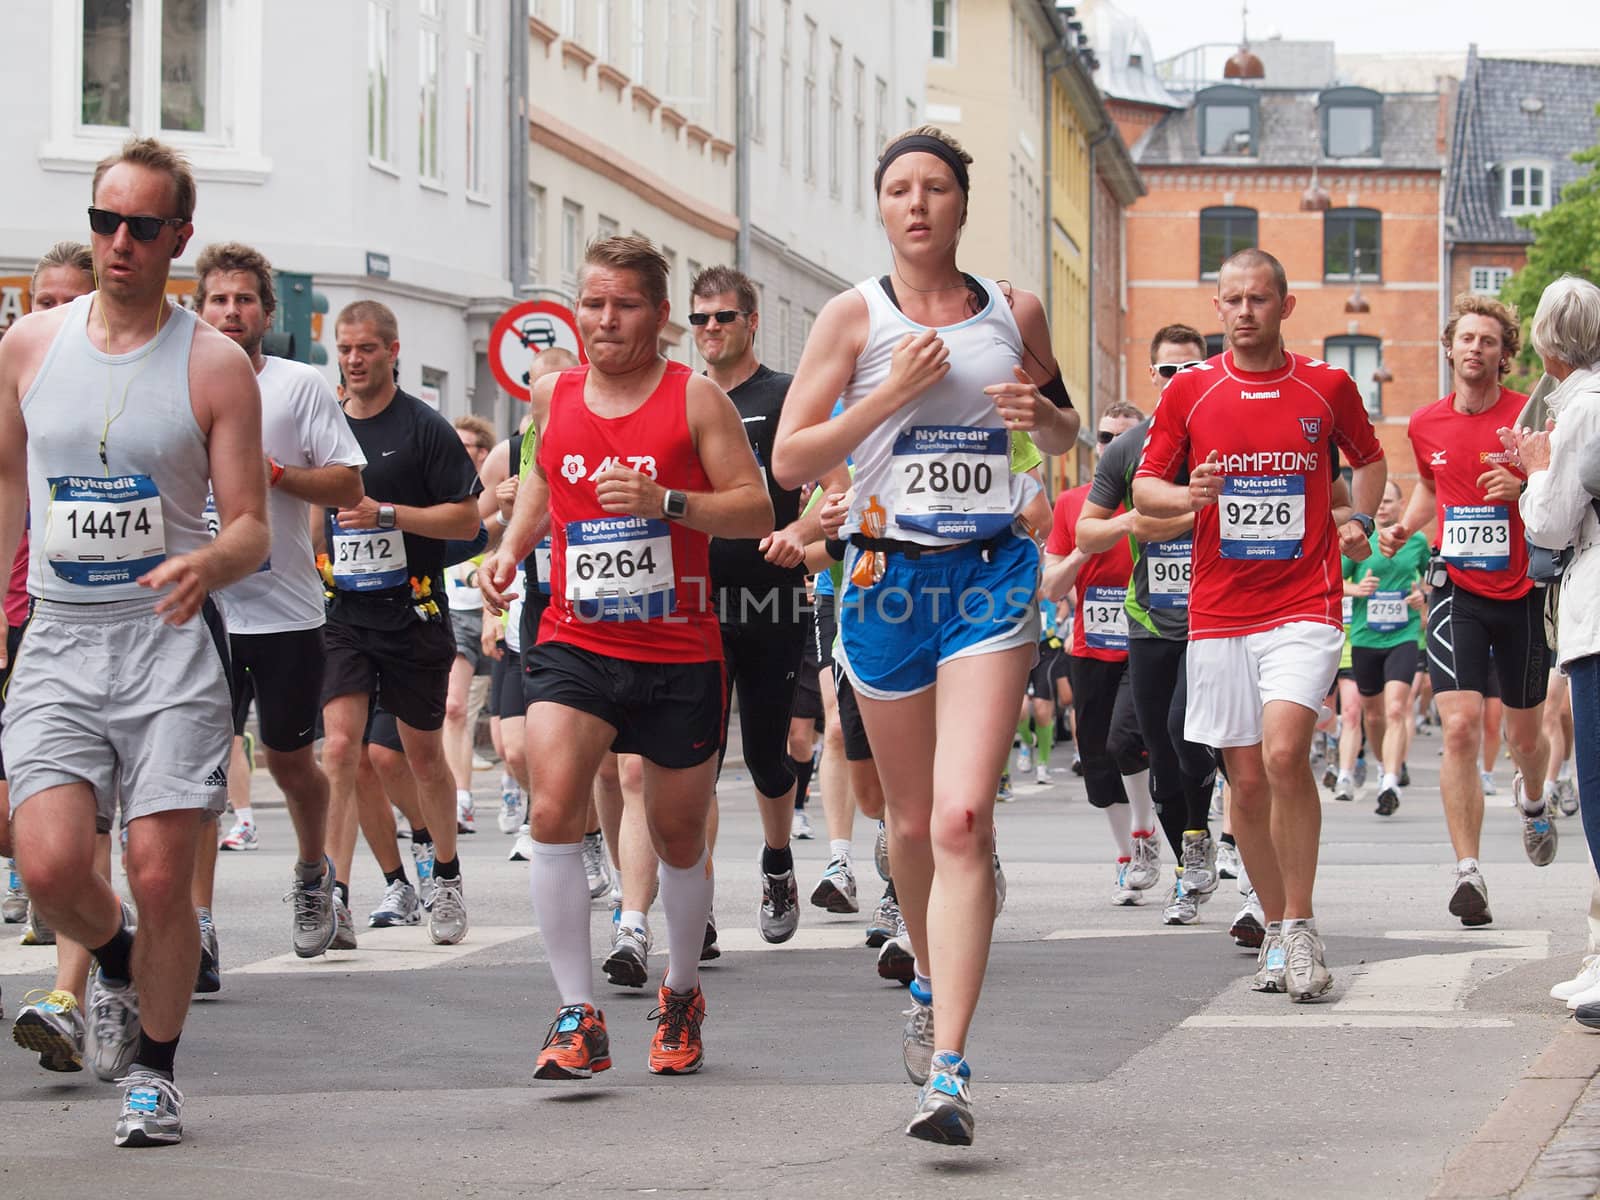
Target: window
pixel 758 75
pixel 477 98
pixel 1229 120
pixel 785 322
pixel 602 30
pixel 1351 122
pixel 1216 343
pixel 1361 356
pixel 641 43
pixel 1527 189
pixel 430 69
pixel 571 242
pixel 785 87
pixel 911 112
pixel 434 389
pixel 860 92
pixel 1347 232
pixel 1487 281
pixel 880 119
pixel 944 31
pixel 713 61
pixel 835 119
pixel 535 232
pixel 808 107
pixel 380 76
pixel 606 227
pixel 1224 231
pixel 149 65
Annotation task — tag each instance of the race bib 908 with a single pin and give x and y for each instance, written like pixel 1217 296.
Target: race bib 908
pixel 1170 567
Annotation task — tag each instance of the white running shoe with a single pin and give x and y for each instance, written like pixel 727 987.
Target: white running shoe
pixel 466 814
pixel 800 827
pixel 513 809
pixel 241 837
pixel 447 915
pixel 522 848
pixel 1490 788
pixel 1123 893
pixel 152 1110
pixel 1024 760
pixel 1041 775
pixel 1588 977
pixel 1228 864
pixel 595 865
pixel 1144 872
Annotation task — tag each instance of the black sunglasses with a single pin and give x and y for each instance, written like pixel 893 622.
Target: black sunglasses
pixel 1168 370
pixel 726 316
pixel 1105 437
pixel 144 229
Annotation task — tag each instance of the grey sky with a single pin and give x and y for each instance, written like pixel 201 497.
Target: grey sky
pixel 1360 26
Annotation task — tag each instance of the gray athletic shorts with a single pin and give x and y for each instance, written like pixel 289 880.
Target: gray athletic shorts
pixel 108 695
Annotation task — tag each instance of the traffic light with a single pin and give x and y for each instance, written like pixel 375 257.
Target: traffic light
pixel 297 325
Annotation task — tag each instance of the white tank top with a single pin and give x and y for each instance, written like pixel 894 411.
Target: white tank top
pixel 938 472
pixel 97 526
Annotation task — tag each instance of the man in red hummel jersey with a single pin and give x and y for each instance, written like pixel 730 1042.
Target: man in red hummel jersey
pixel 640 463
pixel 1257 427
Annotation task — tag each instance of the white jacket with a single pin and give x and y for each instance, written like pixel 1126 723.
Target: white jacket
pixel 1557 513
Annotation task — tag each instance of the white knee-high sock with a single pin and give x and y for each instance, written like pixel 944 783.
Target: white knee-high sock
pixel 1121 818
pixel 560 892
pixel 686 894
pixel 1137 786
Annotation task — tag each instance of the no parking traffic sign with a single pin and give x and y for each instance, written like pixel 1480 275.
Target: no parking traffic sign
pixel 527 329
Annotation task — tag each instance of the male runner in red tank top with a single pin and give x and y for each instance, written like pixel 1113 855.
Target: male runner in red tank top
pixel 640 463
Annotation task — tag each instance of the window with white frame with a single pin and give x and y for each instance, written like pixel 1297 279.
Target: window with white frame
pixel 758 83
pixel 1527 188
pixel 785 322
pixel 1361 356
pixel 880 117
pixel 380 80
pixel 785 85
pixel 606 227
pixel 569 18
pixel 944 31
pixel 149 66
pixel 603 16
pixel 713 68
pixel 1487 281
pixel 808 107
pixel 859 91
pixel 571 242
pixel 430 77
pixel 534 233
pixel 477 99
pixel 835 120
pixel 640 68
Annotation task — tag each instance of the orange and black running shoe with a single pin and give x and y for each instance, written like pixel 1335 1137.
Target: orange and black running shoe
pixel 677 1049
pixel 577 1045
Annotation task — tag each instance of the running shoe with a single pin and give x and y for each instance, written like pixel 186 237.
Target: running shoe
pixel 1588 976
pixel 466 814
pixel 836 890
pixel 999 886
pixel 1270 962
pixel 1041 775
pixel 917 1043
pixel 1145 869
pixel 800 827
pixel 522 848
pixel 880 852
pixel 944 1106
pixel 1565 793
pixel 422 856
pixel 344 929
pixel 1228 862
pixel 314 922
pixel 1002 794
pixel 576 1045
pixel 896 963
pixel 513 808
pixel 1249 925
pixel 1361 771
pixel 1183 908
pixel 399 906
pixel 1388 801
pixel 708 947
pixel 1470 899
pixel 209 977
pixel 1539 836
pixel 113 1027
pixel 1306 975
pixel 628 963
pixel 52 1027
pixel 38 932
pixel 676 1048
pixel 885 921
pixel 152 1110
pixel 595 865
pixel 1330 775
pixel 241 837
pixel 1490 788
pixel 1344 788
pixel 1077 763
pixel 780 907
pixel 1024 759
pixel 1123 893
pixel 14 904
pixel 447 915
pixel 1405 775
pixel 1199 864
pixel 1215 811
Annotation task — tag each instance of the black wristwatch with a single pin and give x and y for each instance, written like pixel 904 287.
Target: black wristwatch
pixel 675 505
pixel 1367 523
pixel 385 516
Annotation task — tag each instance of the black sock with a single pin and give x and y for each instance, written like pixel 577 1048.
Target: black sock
pixel 420 836
pixel 802 778
pixel 1227 840
pixel 156 1056
pixel 398 875
pixel 116 956
pixel 593 833
pixel 344 891
pixel 776 862
pixel 888 892
pixel 447 869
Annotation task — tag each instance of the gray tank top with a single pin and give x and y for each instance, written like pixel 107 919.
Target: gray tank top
pixel 118 471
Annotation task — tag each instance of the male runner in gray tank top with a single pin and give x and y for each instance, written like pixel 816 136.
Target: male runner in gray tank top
pixel 118 412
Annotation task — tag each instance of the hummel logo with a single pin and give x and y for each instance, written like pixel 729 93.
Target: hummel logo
pixel 217 779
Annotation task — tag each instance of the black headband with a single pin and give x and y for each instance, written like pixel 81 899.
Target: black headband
pixel 922 143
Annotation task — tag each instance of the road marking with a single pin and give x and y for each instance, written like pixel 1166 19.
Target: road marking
pixel 17 959
pixel 404 948
pixel 1073 935
pixel 827 937
pixel 1332 1018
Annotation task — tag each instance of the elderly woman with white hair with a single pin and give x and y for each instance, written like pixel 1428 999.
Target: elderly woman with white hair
pixel 1560 512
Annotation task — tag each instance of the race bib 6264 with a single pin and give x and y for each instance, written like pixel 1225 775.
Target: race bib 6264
pixel 620 569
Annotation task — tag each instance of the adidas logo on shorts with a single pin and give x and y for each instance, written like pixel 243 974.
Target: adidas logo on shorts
pixel 217 779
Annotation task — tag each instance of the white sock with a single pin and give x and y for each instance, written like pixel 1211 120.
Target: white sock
pixel 463 798
pixel 631 919
pixel 1466 865
pixel 560 892
pixel 1566 769
pixel 245 815
pixel 1346 777
pixel 1532 804
pixel 1121 818
pixel 1390 781
pixel 1140 801
pixel 839 848
pixel 686 894
pixel 507 783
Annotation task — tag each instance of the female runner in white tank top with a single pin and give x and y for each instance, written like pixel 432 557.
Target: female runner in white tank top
pixel 938 625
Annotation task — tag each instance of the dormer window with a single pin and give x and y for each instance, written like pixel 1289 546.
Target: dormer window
pixel 1229 122
pixel 1352 122
pixel 1527 188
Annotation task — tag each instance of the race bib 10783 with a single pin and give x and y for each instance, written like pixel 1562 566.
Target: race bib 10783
pixel 1477 537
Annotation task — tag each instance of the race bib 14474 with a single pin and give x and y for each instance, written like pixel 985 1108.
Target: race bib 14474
pixel 103 532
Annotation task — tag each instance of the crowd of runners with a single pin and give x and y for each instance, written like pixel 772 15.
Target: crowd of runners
pixel 864 557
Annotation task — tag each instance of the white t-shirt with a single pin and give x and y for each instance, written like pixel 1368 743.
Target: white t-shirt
pixel 301 426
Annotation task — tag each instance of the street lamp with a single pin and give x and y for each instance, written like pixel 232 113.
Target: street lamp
pixel 1357 303
pixel 1243 64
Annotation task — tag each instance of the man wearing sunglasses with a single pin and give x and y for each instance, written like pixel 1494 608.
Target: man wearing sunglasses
pixel 136 411
pixel 760 593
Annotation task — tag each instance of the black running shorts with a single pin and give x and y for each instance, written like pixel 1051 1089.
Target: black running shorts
pixel 282 673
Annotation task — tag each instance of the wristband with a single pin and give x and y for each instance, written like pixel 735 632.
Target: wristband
pixel 500 519
pixel 274 471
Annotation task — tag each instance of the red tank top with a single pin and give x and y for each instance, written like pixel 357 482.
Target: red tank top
pixel 17 587
pixel 626 587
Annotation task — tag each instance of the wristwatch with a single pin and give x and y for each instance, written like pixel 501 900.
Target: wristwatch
pixel 1367 523
pixel 675 505
pixel 385 516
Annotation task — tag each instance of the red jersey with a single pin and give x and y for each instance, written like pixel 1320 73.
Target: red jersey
pixel 1100 594
pixel 1267 552
pixel 1482 541
pixel 627 587
pixel 17 589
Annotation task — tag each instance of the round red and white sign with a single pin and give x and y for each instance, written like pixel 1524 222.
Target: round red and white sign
pixel 525 330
